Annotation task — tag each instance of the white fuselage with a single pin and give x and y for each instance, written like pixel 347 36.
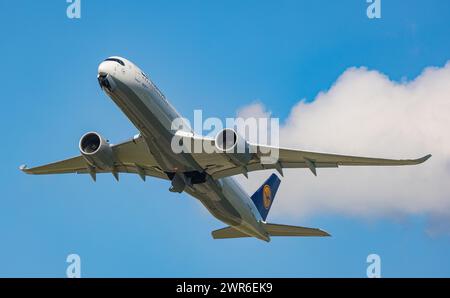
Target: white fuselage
pixel 147 108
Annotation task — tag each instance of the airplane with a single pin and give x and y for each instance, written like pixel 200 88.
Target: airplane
pixel 205 176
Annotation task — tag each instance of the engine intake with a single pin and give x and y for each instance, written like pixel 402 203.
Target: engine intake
pixel 226 140
pixel 232 144
pixel 96 151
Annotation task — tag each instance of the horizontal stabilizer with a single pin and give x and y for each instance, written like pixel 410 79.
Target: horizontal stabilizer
pixel 285 230
pixel 272 230
pixel 228 232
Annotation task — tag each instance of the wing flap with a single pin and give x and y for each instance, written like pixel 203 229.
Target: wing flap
pixel 257 166
pixel 131 169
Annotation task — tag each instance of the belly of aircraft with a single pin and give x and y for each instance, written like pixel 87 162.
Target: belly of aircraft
pixel 154 125
pixel 216 204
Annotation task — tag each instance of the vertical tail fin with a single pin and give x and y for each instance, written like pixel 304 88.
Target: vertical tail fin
pixel 263 197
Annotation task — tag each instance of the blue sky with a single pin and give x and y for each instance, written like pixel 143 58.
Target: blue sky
pixel 213 55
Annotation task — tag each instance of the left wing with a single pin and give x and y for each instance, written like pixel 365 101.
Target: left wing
pixel 129 157
pixel 219 164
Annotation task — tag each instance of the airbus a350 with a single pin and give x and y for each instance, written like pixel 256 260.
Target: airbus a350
pixel 205 176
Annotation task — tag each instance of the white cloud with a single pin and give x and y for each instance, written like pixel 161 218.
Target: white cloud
pixel 364 113
pixel 254 110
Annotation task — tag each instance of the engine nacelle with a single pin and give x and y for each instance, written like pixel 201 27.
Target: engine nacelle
pixel 96 151
pixel 232 144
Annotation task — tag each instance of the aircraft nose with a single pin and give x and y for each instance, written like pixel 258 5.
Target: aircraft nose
pixel 104 77
pixel 105 68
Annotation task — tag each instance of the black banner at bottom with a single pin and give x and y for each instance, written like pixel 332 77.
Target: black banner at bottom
pixel 194 287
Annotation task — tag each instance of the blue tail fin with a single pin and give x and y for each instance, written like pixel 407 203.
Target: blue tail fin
pixel 263 197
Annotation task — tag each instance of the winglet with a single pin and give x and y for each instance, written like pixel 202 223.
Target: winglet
pixel 423 159
pixel 24 169
pixel 323 233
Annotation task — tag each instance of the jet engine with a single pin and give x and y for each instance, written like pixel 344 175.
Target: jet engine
pixel 96 151
pixel 232 144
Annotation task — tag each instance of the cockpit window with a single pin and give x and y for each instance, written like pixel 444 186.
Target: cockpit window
pixel 145 76
pixel 116 60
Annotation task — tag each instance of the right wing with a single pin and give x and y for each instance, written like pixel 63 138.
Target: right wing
pixel 129 157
